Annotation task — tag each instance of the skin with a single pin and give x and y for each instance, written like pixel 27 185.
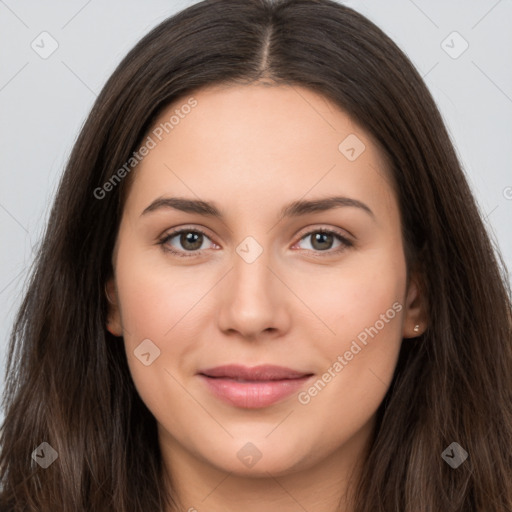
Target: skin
pixel 252 149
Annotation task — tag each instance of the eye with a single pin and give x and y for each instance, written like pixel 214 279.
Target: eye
pixel 190 240
pixel 322 241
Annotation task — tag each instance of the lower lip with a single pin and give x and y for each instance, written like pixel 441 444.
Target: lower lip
pixel 253 395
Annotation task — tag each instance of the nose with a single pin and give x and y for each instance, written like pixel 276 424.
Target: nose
pixel 253 300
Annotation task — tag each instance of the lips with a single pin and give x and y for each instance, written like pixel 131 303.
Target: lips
pixel 255 387
pixel 255 373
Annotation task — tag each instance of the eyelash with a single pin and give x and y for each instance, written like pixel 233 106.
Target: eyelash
pixel 345 242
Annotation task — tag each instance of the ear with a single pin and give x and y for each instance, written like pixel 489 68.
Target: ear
pixel 114 325
pixel 415 309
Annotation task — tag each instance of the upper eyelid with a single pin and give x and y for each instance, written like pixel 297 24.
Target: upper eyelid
pixel 336 230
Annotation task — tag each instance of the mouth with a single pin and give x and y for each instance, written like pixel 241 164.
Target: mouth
pixel 253 387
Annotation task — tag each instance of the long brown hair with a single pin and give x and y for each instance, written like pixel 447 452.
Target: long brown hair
pixel 68 382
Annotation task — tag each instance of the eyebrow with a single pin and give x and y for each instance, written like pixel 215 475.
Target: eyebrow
pixel 294 209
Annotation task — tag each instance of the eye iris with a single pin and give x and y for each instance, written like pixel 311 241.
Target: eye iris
pixel 192 238
pixel 321 238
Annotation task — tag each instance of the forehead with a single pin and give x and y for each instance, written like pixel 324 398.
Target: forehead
pixel 258 145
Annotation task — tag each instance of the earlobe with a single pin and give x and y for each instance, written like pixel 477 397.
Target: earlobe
pixel 113 324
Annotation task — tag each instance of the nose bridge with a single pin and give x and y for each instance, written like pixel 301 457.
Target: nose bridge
pixel 251 273
pixel 252 301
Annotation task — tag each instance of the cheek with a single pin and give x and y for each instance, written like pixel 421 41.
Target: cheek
pixel 364 311
pixel 354 379
pixel 354 295
pixel 154 299
pixel 157 305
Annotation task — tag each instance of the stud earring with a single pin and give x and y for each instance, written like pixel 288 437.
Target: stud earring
pixel 416 328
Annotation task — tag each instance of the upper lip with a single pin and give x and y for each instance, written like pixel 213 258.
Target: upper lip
pixel 262 372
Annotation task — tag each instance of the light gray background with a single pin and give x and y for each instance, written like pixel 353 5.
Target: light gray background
pixel 45 101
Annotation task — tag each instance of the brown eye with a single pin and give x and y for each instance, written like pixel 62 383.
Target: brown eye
pixel 322 240
pixel 188 240
pixel 191 240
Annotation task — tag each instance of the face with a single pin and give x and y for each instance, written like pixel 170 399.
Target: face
pixel 319 291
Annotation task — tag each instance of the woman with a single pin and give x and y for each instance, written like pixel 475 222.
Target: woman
pixel 189 342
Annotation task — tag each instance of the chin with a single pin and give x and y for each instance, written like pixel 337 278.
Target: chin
pixel 255 460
